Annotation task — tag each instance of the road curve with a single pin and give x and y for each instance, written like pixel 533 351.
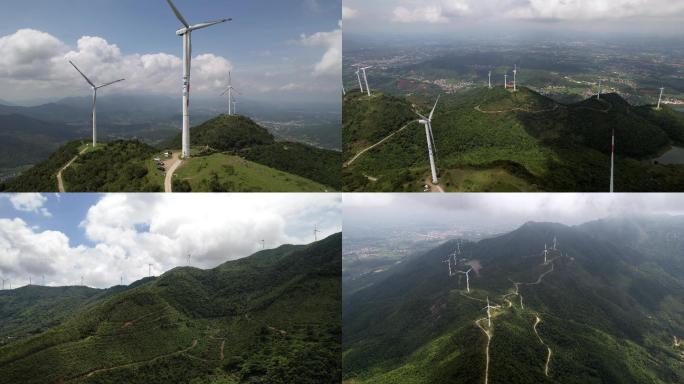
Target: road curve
pixel 348 163
pixel 60 183
pixel 548 357
pixel 168 181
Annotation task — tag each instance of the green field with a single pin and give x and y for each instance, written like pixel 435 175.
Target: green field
pixel 227 173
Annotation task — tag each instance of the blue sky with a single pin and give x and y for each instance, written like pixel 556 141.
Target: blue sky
pixel 105 236
pixel 263 43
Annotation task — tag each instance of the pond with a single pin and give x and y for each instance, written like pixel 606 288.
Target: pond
pixel 674 156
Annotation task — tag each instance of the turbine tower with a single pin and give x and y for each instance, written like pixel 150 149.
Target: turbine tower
pixel 555 243
pixel 186 33
pixel 365 78
pixel 598 96
pixel 490 79
pixel 316 232
pixel 358 76
pixel 467 278
pixel 263 244
pixel 515 73
pixel 448 260
pixel 94 88
pixel 506 80
pixel 612 163
pixel 234 106
pixel 427 121
pixel 3 284
pixel 489 313
pixel 149 270
pixel 189 257
pixel 546 253
pixel 230 91
pixel 660 97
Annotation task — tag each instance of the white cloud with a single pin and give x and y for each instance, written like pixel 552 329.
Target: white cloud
pixel 349 13
pixel 131 230
pixel 449 11
pixel 29 202
pixel 331 62
pixel 594 9
pixel 442 12
pixel 37 60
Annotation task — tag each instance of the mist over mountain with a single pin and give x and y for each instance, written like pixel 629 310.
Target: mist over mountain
pixel 605 306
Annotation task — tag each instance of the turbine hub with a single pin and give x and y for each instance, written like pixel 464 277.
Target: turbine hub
pixel 181 31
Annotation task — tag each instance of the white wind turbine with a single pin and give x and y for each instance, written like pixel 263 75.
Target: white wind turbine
pixel 555 243
pixel 467 278
pixel 506 80
pixel 230 91
pixel 660 97
pixel 358 76
pixel 546 253
pixel 94 88
pixel 448 260
pixel 490 79
pixel 365 78
pixel 612 163
pixel 186 33
pixel 515 73
pixel 489 313
pixel 598 96
pixel 427 121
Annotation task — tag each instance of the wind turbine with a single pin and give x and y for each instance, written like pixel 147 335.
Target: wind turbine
pixel 365 78
pixel 490 79
pixel 3 284
pixel 263 244
pixel 660 97
pixel 229 91
pixel 506 80
pixel 94 88
pixel 234 106
pixel 555 242
pixel 316 232
pixel 448 260
pixel 189 256
pixel 515 73
pixel 427 121
pixel 598 96
pixel 612 163
pixel 358 76
pixel 186 33
pixel 467 278
pixel 149 270
pixel 489 313
pixel 546 252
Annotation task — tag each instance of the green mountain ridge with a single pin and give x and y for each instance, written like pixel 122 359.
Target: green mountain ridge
pixel 608 309
pixel 128 166
pixel 269 318
pixel 499 140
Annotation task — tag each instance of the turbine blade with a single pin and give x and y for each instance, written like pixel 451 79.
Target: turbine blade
pixel 433 108
pixel 108 84
pixel 178 14
pixel 421 116
pixel 207 24
pixel 84 76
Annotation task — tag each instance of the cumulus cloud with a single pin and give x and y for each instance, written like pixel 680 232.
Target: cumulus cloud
pixel 29 202
pixel 130 231
pixel 35 59
pixel 442 12
pixel 349 13
pixel 331 62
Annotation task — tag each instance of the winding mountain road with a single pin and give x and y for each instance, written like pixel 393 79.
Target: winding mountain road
pixel 60 183
pixel 353 159
pixel 548 357
pixel 489 340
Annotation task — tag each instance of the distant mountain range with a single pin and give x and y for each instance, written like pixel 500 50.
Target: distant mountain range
pixel 605 307
pixel 273 317
pixel 499 140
